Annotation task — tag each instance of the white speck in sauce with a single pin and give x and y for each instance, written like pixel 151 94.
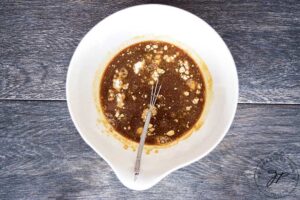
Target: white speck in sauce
pixel 138 66
pixel 170 133
pixel 160 71
pixel 181 69
pixel 120 99
pixel 125 86
pixel 155 75
pixel 117 84
pixel 195 100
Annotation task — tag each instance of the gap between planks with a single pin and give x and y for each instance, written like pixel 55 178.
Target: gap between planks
pixel 64 100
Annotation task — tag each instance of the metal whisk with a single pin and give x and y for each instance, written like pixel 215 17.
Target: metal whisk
pixel 154 94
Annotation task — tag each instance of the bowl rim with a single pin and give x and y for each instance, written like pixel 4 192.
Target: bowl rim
pixel 196 158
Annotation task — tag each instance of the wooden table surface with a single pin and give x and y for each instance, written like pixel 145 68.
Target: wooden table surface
pixel 42 155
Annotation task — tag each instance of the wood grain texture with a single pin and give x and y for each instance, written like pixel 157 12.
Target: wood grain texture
pixel 37 40
pixel 43 157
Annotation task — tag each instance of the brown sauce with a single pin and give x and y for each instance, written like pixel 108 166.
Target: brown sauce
pixel 126 86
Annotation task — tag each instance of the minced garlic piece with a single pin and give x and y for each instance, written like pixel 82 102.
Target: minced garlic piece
pixel 192 84
pixel 186 93
pixel 139 130
pixel 138 66
pixel 120 100
pixel 117 84
pixel 170 133
pixel 195 101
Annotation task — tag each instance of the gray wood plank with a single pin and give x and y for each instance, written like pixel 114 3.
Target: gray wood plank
pixel 42 156
pixel 39 37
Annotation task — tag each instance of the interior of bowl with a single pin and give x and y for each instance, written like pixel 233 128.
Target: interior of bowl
pixel 103 41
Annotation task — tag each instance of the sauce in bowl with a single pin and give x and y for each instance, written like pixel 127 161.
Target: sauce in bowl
pixel 126 85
